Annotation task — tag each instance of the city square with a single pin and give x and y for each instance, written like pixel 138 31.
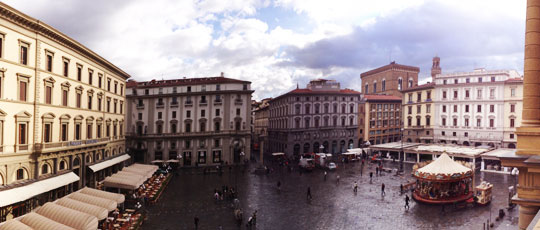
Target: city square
pixel 334 205
pixel 389 114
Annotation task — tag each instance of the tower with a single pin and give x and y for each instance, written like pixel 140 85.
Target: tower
pixel 436 68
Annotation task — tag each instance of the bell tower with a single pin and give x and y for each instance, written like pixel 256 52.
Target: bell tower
pixel 436 68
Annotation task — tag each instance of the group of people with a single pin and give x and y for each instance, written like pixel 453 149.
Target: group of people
pixel 225 192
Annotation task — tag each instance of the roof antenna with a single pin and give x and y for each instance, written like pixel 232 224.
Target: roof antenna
pixel 296 85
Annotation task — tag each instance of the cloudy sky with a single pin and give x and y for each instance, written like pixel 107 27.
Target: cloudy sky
pixel 276 44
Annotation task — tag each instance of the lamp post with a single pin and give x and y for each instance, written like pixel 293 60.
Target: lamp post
pixel 514 173
pixel 401 153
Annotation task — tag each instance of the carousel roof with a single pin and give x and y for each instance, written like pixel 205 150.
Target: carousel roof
pixel 444 165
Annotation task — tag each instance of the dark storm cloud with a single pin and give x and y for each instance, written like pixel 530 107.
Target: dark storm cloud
pixel 463 40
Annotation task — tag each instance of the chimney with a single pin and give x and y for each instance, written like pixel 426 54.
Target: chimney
pixel 222 74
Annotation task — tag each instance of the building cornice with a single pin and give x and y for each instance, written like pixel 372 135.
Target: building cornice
pixel 166 95
pixel 18 18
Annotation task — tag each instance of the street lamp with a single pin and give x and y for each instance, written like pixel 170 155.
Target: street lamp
pixel 401 153
pixel 515 173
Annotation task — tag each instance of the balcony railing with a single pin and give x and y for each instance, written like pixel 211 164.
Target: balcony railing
pixel 238 101
pixel 189 103
pixel 183 134
pixel 140 106
pixel 160 105
pixel 71 143
pixel 174 104
pixel 203 102
pixel 217 102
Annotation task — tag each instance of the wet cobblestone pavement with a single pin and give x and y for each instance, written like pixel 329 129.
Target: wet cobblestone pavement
pixel 334 205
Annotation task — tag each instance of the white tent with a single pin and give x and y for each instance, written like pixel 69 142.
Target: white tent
pixel 444 165
pixel 119 198
pixel 69 217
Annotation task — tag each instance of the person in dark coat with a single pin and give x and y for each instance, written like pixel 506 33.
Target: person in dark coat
pixel 382 190
pixel 196 221
pixel 309 193
pixel 407 199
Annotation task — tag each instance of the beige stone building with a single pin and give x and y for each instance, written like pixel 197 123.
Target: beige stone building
pixel 417 104
pixel 379 118
pixel 304 119
pixel 61 112
pixel 199 121
pixel 528 147
pixel 260 135
pixel 513 105
pixel 389 79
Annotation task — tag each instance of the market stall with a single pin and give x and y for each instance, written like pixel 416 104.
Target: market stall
pixel 443 181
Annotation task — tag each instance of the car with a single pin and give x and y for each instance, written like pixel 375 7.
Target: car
pixel 332 166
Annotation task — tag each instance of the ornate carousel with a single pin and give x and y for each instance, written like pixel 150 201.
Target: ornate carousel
pixel 443 181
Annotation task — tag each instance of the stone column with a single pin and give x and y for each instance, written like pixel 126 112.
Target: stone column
pixel 526 215
pixel 529 132
pixel 531 82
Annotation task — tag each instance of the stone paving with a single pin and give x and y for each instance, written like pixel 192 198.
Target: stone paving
pixel 334 205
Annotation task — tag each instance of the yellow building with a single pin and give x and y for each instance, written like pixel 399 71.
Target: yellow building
pixel 513 105
pixel 61 112
pixel 418 113
pixel 379 119
pixel 527 157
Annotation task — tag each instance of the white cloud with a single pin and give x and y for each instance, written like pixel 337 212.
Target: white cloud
pixel 195 38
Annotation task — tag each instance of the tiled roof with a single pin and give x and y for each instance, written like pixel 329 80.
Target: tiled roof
pixel 184 81
pixel 309 91
pixel 514 80
pixel 392 65
pixel 424 86
pixel 370 97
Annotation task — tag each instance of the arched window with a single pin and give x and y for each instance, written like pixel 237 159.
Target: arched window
pixel 366 89
pixel 400 84
pixel 217 126
pixel 76 162
pixel 21 175
pixel 44 169
pixel 383 86
pixel 63 165
pixel 203 126
pixel 410 83
pixel 375 87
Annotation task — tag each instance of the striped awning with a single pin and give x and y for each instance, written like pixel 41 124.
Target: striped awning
pixel 26 192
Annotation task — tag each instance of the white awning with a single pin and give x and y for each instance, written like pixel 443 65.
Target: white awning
pixel 109 163
pixel 26 192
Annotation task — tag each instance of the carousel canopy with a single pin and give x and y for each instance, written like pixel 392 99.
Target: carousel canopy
pixel 444 165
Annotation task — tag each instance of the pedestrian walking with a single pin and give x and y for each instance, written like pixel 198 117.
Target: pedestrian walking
pixel 279 185
pixel 382 190
pixel 407 199
pixel 325 175
pixel 401 188
pixel 377 171
pixel 370 177
pixel 355 187
pixel 309 197
pixel 337 178
pixel 361 170
pixel 196 220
